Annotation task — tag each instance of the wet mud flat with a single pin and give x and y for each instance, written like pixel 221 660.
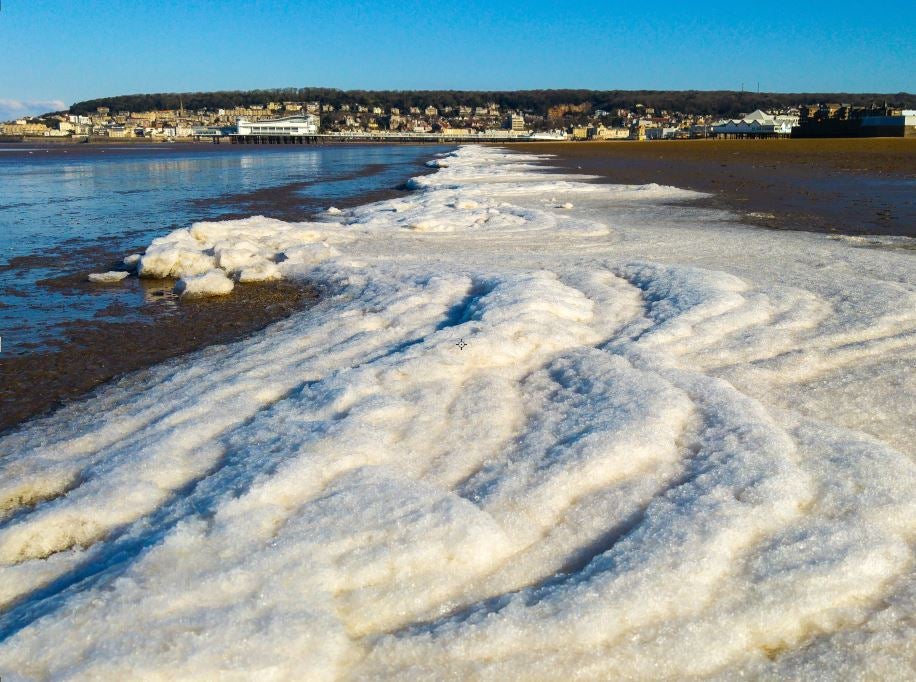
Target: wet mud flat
pixel 842 186
pixel 91 352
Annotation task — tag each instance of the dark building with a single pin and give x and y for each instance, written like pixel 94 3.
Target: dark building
pixel 842 120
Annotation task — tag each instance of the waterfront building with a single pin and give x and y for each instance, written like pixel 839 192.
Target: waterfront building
pixel 119 131
pixel 757 124
pixel 601 132
pixel 638 132
pixel 834 120
pixel 23 127
pixel 661 133
pixel 516 122
pixel 578 133
pixel 699 130
pixel 898 124
pixel 431 111
pixel 288 126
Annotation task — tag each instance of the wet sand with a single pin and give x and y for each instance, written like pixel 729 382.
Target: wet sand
pixel 846 186
pixel 94 352
pixel 125 338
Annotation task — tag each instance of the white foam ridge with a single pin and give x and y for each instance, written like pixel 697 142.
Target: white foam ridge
pixel 537 427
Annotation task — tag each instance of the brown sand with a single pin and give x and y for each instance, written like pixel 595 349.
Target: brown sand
pixel 851 186
pixel 94 352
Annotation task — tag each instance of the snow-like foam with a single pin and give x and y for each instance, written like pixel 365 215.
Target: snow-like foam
pixel 536 428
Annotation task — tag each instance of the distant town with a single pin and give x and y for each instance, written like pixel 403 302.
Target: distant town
pixel 288 120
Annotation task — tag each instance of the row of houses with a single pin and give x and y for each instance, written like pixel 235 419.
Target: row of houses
pixel 577 122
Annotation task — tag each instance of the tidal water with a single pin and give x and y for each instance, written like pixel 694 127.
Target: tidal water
pixel 68 211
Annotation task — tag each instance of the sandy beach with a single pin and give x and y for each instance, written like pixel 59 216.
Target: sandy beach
pixel 843 186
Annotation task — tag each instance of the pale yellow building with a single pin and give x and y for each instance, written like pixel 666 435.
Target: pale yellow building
pixel 23 128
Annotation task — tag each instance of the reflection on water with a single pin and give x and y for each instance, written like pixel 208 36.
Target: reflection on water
pixel 69 210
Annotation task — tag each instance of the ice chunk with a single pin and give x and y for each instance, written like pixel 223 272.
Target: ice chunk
pixel 211 283
pixel 259 271
pixel 109 277
pixel 174 260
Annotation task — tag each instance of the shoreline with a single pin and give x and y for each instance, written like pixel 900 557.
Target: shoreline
pixel 834 186
pixel 121 339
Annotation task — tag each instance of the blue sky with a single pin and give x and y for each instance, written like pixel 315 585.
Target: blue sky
pixel 53 52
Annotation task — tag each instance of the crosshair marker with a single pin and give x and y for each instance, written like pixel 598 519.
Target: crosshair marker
pixel 461 344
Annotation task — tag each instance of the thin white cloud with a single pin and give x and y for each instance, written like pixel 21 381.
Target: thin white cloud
pixel 16 108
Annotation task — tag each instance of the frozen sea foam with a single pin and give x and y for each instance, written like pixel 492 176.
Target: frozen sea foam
pixel 536 428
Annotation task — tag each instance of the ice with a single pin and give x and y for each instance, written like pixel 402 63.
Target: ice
pixel 211 283
pixel 625 439
pixel 110 277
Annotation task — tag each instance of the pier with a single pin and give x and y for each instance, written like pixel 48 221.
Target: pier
pixel 389 138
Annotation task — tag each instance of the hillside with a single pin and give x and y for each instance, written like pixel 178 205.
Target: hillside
pixel 718 102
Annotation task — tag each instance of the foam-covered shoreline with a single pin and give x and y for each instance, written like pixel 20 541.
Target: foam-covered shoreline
pixel 670 447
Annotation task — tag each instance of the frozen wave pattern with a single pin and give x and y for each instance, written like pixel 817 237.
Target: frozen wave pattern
pixel 659 455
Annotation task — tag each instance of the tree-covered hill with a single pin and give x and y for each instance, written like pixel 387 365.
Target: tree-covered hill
pixel 718 102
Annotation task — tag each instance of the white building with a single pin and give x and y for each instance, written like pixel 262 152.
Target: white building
pixel 289 126
pixel 517 122
pixel 757 124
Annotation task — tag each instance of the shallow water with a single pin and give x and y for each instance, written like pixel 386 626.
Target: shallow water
pixel 70 209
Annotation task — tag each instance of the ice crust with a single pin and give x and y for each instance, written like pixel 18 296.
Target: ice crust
pixel 672 447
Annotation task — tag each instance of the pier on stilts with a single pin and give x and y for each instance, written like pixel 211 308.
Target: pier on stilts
pixel 387 138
